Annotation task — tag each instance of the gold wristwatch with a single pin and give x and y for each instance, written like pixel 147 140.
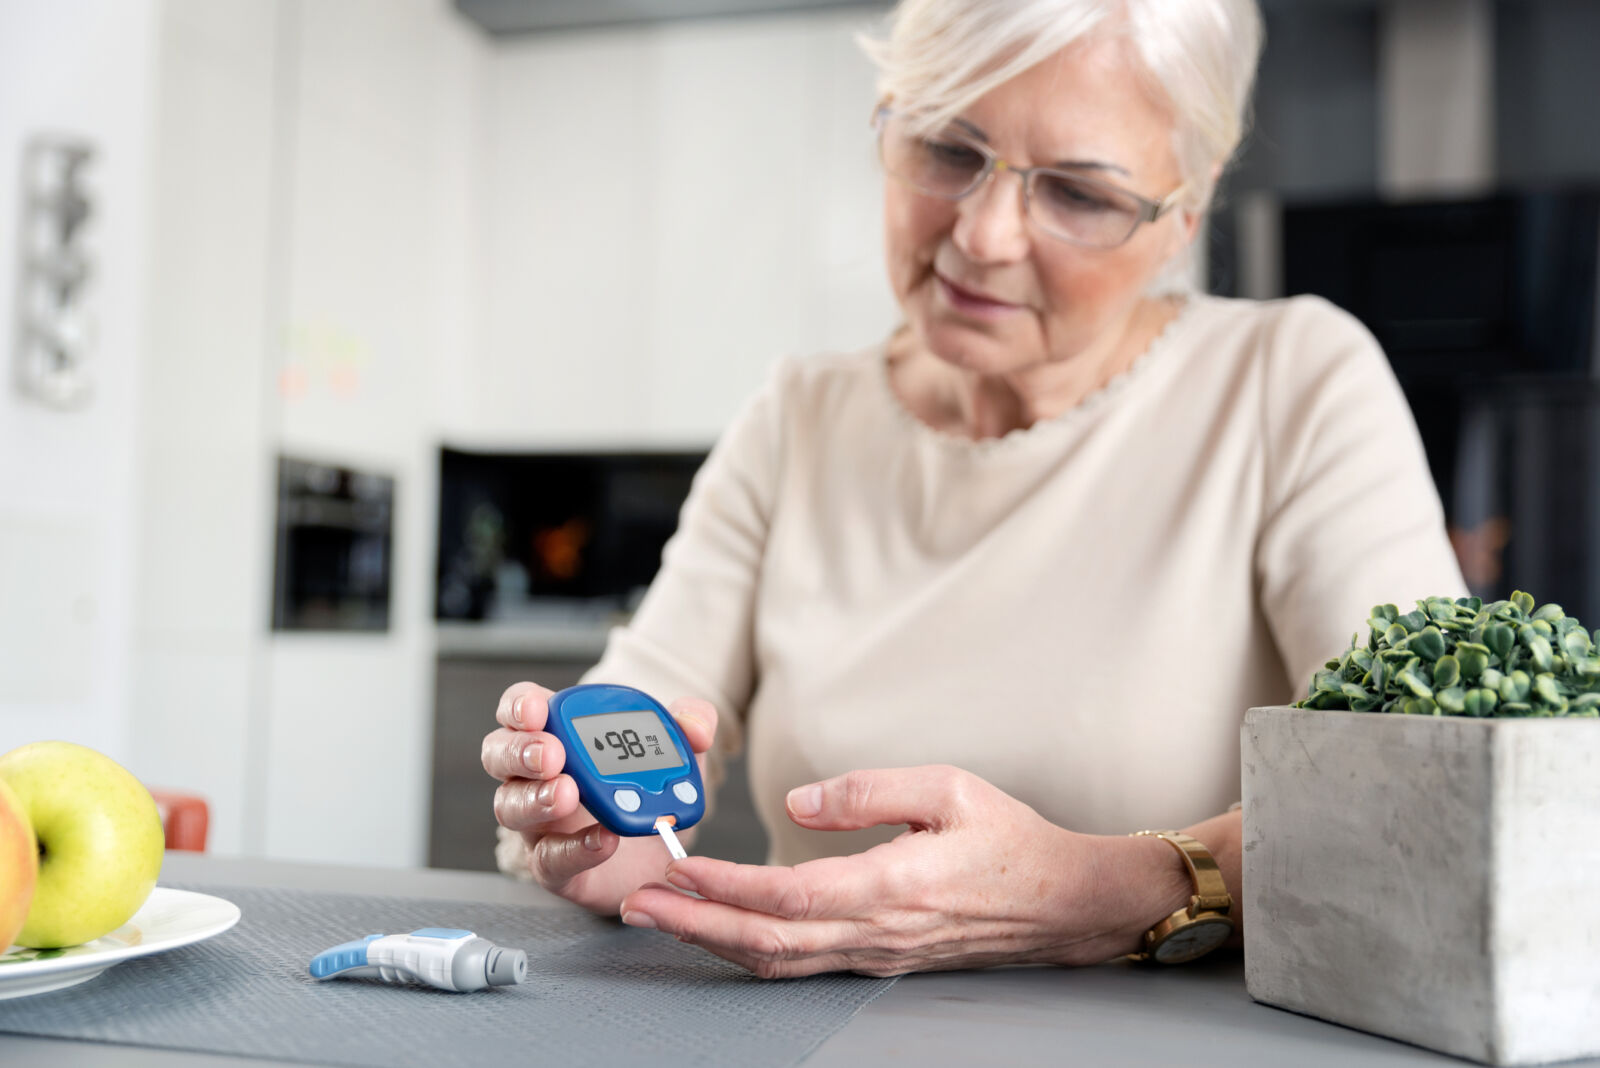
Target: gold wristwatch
pixel 1205 923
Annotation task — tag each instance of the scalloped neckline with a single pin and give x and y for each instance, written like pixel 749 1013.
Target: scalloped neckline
pixel 1044 428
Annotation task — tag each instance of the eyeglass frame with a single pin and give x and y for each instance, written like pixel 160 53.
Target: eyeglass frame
pixel 994 163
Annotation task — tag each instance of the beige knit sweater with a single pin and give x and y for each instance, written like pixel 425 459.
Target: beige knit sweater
pixel 1079 612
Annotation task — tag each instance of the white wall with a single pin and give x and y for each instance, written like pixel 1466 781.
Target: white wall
pixel 381 280
pixel 364 230
pixel 205 518
pixel 670 209
pixel 313 283
pixel 82 68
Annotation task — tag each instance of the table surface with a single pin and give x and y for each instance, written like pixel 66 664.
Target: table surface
pixel 1197 1015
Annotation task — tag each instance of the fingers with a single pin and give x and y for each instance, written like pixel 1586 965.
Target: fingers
pixel 510 754
pixel 523 707
pixel 778 969
pixel 927 798
pixel 698 719
pixel 527 805
pixel 555 859
pixel 767 945
pixel 830 888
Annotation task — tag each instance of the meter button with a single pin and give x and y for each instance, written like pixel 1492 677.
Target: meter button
pixel 627 800
pixel 685 792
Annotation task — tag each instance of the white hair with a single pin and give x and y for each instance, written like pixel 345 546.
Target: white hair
pixel 942 55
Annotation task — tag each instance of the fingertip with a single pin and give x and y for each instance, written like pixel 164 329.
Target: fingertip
pixel 688 865
pixel 556 858
pixel 701 740
pixel 698 720
pixel 553 757
pixel 805 802
pixel 695 708
pixel 534 709
pixel 567 798
pixel 523 707
pixel 598 840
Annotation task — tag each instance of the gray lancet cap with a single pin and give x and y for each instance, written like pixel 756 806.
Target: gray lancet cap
pixel 481 963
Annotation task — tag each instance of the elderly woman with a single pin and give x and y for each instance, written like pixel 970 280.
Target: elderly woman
pixel 987 597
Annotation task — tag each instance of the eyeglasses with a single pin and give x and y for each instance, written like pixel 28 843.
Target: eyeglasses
pixel 1069 206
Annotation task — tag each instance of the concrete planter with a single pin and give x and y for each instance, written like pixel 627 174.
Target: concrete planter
pixel 1435 880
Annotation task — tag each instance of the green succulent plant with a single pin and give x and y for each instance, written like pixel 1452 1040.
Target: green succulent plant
pixel 1461 657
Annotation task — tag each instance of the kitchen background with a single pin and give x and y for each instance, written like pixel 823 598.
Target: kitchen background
pixel 358 352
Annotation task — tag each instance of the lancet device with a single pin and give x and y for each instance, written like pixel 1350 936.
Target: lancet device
pixel 442 957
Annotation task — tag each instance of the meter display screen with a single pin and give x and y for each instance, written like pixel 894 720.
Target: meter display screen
pixel 620 742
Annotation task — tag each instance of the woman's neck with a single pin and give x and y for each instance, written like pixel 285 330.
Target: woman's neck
pixel 977 406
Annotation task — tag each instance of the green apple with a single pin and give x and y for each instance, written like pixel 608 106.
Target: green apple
pixel 100 841
pixel 19 865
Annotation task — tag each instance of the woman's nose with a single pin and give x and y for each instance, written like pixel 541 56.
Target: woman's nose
pixel 991 221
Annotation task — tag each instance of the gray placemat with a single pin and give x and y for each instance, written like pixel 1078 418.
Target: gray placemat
pixel 597 993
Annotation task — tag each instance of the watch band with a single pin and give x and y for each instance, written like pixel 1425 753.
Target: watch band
pixel 1209 907
pixel 1210 892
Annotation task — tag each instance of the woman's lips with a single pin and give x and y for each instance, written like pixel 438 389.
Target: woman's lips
pixel 973 303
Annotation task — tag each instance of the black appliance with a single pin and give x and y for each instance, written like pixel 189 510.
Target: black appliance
pixel 1487 311
pixel 335 532
pixel 581 529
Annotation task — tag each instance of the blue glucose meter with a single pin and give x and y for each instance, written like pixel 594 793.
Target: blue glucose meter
pixel 634 769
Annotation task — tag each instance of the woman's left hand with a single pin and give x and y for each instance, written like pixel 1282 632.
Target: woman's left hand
pixel 979 879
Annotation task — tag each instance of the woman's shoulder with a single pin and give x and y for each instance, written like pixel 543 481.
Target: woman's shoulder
pixel 825 383
pixel 1298 318
pixel 829 368
pixel 1297 329
pixel 1289 345
pixel 830 389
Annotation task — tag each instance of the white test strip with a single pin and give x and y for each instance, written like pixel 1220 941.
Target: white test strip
pixel 669 836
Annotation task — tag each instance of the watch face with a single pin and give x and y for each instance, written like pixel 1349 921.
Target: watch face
pixel 1192 941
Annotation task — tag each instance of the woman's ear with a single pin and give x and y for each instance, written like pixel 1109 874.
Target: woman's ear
pixel 1192 218
pixel 1191 224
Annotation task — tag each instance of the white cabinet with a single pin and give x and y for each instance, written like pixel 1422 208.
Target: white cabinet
pixel 569 184
pixel 68 499
pixel 312 266
pixel 671 209
pixel 371 230
pixel 204 517
pixel 380 173
pixel 734 150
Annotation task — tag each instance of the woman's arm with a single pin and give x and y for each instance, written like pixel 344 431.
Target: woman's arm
pixel 1351 517
pixel 979 879
pixel 1154 863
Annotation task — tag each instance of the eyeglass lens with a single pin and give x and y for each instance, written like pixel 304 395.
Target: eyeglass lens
pixel 950 166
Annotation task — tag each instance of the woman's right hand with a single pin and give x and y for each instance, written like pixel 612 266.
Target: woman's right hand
pixel 568 852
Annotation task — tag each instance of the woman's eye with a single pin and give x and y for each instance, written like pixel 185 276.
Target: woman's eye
pixel 1070 195
pixel 953 154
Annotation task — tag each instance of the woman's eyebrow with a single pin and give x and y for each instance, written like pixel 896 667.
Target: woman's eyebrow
pixel 1063 164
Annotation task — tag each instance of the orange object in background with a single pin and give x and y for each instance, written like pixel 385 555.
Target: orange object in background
pixel 1479 550
pixel 559 550
pixel 185 818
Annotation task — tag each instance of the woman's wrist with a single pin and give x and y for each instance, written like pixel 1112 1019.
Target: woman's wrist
pixel 1149 880
pixel 1119 887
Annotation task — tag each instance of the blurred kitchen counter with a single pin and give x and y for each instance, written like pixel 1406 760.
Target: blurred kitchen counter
pixel 522 639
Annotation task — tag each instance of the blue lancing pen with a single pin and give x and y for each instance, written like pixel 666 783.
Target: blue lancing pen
pixel 442 957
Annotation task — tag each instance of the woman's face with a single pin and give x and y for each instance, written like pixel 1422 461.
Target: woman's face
pixel 988 291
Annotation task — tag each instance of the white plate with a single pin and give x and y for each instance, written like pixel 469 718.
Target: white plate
pixel 168 919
